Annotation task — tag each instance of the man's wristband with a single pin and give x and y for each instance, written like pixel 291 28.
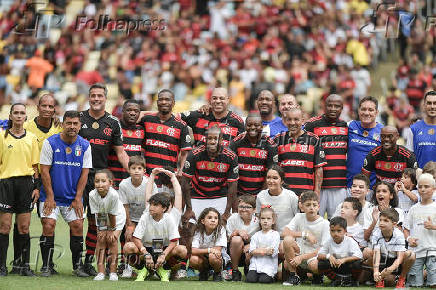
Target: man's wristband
pixel 37 183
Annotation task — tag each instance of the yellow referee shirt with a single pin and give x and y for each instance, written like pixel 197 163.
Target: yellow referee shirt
pixel 17 155
pixel 40 132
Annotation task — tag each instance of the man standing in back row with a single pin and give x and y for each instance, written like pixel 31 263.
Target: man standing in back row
pixel 103 131
pixel 333 133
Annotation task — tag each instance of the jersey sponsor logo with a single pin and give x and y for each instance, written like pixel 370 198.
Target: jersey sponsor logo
pixel 98 141
pixel 138 133
pixel 187 164
pixel 364 142
pixel 339 144
pixel 132 147
pixel 209 179
pixel 78 150
pixel 129 133
pixel 107 131
pixel 171 132
pixel 398 167
pixel 290 162
pixel 159 129
pixel 211 165
pixel 331 131
pixel 221 167
pixel 304 148
pixel 251 167
pixel 57 150
pixel 157 143
pixel 68 150
pixel 68 163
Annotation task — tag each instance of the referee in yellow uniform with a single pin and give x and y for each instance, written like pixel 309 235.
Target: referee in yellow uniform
pixel 19 186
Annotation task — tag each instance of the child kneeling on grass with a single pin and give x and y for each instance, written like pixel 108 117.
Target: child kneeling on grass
pixel 264 249
pixel 209 245
pixel 339 258
pixel 155 240
pixel 110 217
pixel 389 251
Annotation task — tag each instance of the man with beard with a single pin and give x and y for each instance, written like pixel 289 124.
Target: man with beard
pixel 388 160
pixel 271 125
pixel 256 153
pixel 133 137
pixel 424 137
pixel 300 154
pixel 333 134
pixel 209 176
pixel 167 137
pixel 104 133
pixel 217 114
pixel 363 136
pixel 65 161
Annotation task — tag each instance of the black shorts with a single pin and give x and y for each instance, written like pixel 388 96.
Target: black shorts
pixel 88 188
pixel 387 262
pixel 16 194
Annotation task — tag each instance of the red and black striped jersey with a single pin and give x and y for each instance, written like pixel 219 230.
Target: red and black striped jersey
pixel 334 140
pixel 102 134
pixel 389 169
pixel 164 140
pixel 231 125
pixel 299 158
pixel 253 162
pixel 210 177
pixel 133 137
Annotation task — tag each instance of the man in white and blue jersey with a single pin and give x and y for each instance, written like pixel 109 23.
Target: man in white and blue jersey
pixel 424 132
pixel 65 161
pixel 363 136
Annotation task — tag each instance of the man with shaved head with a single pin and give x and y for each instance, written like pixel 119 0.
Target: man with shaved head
pixel 209 176
pixel 333 133
pixel 256 153
pixel 300 154
pixel 230 123
pixel 388 160
pixel 272 125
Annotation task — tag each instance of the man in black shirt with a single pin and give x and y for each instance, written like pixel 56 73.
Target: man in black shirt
pixel 103 131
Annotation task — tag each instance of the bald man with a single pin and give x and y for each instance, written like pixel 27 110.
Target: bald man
pixel 333 133
pixel 388 160
pixel 256 153
pixel 300 154
pixel 230 123
pixel 272 124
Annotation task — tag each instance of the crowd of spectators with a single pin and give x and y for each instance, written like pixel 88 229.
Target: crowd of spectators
pixel 307 48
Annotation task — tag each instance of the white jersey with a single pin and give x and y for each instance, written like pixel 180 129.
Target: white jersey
pixel 110 204
pixel 134 197
pixel 265 264
pixel 368 217
pixel 390 248
pixel 285 205
pixel 356 232
pixel 176 215
pixel 415 219
pixel 320 229
pixel 360 217
pixel 404 202
pixel 207 241
pixel 149 229
pixel 235 222
pixel 347 248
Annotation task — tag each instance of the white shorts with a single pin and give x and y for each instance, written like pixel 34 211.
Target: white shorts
pixel 198 205
pixel 69 215
pixel 329 200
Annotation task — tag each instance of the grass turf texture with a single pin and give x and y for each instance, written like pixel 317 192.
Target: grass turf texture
pixel 65 279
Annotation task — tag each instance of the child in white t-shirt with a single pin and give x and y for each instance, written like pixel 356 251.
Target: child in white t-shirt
pixel 155 240
pixel 283 201
pixel 209 245
pixel 110 217
pixel 406 190
pixel 351 208
pixel 389 251
pixel 241 226
pixel 264 249
pixel 420 231
pixel 340 257
pixel 304 235
pixel 359 190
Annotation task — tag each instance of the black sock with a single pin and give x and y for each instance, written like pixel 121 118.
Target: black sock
pixel 14 240
pixel 91 242
pixel 46 244
pixel 24 247
pixel 4 243
pixel 76 247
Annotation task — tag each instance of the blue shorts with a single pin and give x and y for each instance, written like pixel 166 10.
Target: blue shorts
pixel 415 278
